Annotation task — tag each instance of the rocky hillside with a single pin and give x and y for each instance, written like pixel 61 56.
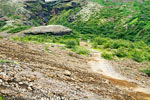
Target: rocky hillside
pixel 31 72
pixel 35 12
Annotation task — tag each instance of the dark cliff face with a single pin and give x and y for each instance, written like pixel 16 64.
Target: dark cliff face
pixel 41 11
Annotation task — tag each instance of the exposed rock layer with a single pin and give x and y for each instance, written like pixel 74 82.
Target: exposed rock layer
pixel 50 29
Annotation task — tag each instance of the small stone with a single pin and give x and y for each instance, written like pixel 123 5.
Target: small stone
pixel 30 84
pixel 143 82
pixel 91 79
pixel 23 90
pixel 67 73
pixel 29 88
pixel 16 85
pixel 6 83
pixel 20 83
pixel 1 81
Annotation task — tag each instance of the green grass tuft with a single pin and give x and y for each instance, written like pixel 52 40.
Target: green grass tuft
pixel 5 28
pixel 71 43
pixel 107 55
pixel 1 98
pixel 18 29
pixel 7 61
pixel 81 50
pixel 146 71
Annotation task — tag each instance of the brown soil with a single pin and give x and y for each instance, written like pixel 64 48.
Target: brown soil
pixel 131 70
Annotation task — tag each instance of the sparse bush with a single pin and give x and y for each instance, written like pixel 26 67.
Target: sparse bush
pixel 2 23
pixel 101 41
pixel 94 45
pixel 115 44
pixel 107 56
pixel 71 43
pixel 138 56
pixel 1 98
pixel 46 48
pixel 146 71
pixel 81 50
pixel 6 61
pixel 121 52
pixel 18 29
pixel 16 17
pixel 1 37
pixel 5 28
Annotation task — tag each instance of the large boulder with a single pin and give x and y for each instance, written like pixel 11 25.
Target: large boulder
pixel 50 29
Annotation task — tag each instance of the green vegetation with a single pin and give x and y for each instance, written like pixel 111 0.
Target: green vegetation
pixel 81 50
pixel 18 29
pixel 108 56
pixel 1 98
pixel 6 61
pixel 2 23
pixel 71 43
pixel 11 29
pixel 45 38
pixel 146 71
pixel 128 21
pixel 1 37
pixel 138 51
pixel 5 28
pixel 124 32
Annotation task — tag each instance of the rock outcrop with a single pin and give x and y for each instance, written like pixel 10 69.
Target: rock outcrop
pixel 50 30
pixel 48 8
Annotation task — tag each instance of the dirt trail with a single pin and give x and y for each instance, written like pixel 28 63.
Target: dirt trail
pixel 102 66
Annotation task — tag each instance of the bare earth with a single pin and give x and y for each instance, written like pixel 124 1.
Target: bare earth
pixel 58 74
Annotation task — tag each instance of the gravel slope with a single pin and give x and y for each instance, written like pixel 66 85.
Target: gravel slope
pixel 54 74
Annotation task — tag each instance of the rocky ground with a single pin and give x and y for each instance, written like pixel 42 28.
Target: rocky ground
pixel 49 72
pixel 131 70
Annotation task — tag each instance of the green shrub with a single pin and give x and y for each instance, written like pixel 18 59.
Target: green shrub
pixel 2 23
pixel 115 44
pixel 146 71
pixel 139 56
pixel 71 43
pixel 101 41
pixel 16 17
pixel 1 98
pixel 18 29
pixel 121 52
pixel 107 55
pixel 80 50
pixel 6 61
pixel 5 28
pixel 1 37
pixel 94 45
pixel 63 41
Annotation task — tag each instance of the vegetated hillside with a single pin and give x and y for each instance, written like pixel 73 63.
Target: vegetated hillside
pixel 129 20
